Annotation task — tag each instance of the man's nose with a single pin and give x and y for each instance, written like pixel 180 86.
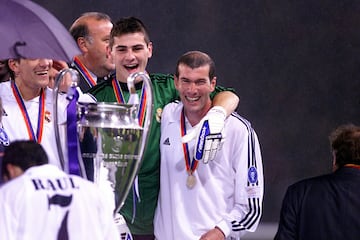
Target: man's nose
pixel 130 54
pixel 192 86
pixel 45 62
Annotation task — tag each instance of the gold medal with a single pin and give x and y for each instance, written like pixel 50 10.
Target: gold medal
pixel 190 181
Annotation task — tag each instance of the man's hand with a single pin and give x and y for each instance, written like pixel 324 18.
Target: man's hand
pixel 208 134
pixel 213 234
pixel 54 72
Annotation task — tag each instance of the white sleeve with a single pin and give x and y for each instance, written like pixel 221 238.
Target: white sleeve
pixel 85 97
pixel 249 183
pixel 8 222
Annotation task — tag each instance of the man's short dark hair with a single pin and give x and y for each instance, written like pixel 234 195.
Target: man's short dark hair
pixel 24 154
pixel 345 142
pixel 196 59
pixel 128 25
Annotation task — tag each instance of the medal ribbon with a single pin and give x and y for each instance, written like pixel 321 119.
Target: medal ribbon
pixel 117 90
pixel 41 114
pixel 190 165
pixel 120 99
pixel 352 165
pixel 142 106
pixel 84 72
pixel 71 122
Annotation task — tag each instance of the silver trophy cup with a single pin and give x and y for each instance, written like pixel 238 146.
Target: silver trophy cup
pixel 111 141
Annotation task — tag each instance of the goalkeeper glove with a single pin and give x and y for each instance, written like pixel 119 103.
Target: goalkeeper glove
pixel 208 134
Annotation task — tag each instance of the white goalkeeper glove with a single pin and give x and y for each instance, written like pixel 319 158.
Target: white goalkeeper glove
pixel 208 134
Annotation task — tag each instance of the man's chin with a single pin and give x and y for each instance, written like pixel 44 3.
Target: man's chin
pixel 191 107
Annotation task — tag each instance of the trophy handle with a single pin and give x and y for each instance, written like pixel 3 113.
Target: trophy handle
pixel 134 99
pixel 74 81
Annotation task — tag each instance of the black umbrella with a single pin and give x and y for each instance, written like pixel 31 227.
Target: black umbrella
pixel 28 30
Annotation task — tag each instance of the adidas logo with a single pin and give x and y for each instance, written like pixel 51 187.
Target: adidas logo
pixel 166 142
pixel 126 236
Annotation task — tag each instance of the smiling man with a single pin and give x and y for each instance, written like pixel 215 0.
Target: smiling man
pixel 91 31
pixel 28 105
pixel 220 199
pixel 131 48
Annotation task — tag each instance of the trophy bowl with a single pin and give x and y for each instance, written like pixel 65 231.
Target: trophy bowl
pixel 110 141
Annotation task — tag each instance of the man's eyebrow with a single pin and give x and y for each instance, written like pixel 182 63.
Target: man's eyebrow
pixel 123 46
pixel 120 46
pixel 195 80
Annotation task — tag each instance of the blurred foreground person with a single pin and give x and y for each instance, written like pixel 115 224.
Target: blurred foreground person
pixel 328 206
pixel 42 202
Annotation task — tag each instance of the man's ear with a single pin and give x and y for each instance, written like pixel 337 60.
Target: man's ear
pixel 13 171
pixel 213 83
pixel 176 82
pixel 334 164
pixel 13 65
pixel 81 42
pixel 109 54
pixel 150 48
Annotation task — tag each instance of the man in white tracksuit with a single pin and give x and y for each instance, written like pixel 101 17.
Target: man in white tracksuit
pixel 220 199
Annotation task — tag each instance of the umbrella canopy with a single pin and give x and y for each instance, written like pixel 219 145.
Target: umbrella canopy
pixel 27 30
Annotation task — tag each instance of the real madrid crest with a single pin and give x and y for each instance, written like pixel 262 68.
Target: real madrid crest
pixel 252 175
pixel 47 116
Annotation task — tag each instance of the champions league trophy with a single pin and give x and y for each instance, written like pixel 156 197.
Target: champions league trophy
pixel 118 138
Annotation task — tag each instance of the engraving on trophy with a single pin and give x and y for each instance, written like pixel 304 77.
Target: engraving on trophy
pixel 118 140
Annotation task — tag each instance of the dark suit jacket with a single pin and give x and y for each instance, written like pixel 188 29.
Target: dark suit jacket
pixel 325 207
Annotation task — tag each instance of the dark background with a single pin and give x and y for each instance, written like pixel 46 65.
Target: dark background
pixel 293 63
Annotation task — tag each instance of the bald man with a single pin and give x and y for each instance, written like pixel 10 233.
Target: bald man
pixel 91 31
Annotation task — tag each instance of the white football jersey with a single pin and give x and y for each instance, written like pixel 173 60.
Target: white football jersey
pixel 226 192
pixel 14 124
pixel 46 203
pixel 15 127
